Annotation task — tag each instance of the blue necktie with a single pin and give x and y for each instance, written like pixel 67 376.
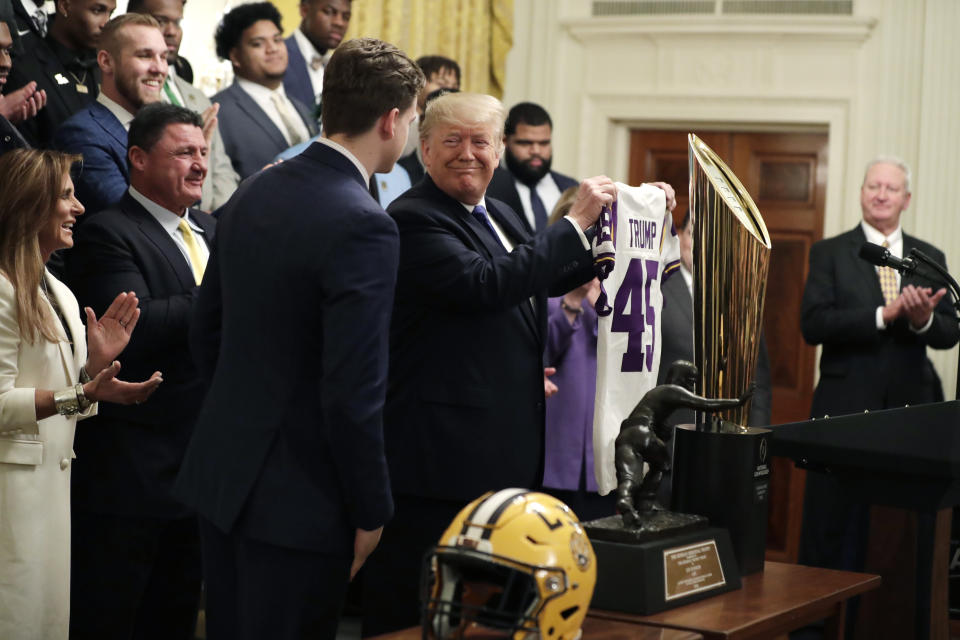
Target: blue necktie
pixel 539 211
pixel 481 215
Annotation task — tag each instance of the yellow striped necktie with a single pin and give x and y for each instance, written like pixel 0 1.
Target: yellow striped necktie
pixel 197 262
pixel 888 281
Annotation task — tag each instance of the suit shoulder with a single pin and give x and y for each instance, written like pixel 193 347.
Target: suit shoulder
pixel 499 204
pixel 190 91
pixel 109 221
pixel 926 247
pixel 834 242
pixel 80 121
pixel 413 203
pixel 564 181
pixel 226 95
pixel 501 181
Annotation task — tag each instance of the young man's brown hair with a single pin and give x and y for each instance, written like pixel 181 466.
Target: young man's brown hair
pixel 364 79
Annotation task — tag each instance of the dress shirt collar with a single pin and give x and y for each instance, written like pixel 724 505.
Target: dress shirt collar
pixel 352 158
pixel 471 207
pixel 124 116
pixel 258 91
pixel 308 50
pixel 167 219
pixel 894 240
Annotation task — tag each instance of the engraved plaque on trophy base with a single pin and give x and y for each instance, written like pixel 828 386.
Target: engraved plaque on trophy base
pixel 725 476
pixel 672 560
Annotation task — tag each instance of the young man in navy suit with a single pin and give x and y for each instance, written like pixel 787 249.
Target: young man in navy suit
pixel 136 550
pixel 286 466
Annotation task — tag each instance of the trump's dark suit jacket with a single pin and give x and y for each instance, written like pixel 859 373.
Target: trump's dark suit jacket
pixel 861 367
pixel 129 457
pixel 249 135
pixel 291 330
pixel 465 405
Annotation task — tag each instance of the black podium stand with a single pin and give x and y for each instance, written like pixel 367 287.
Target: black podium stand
pixel 906 458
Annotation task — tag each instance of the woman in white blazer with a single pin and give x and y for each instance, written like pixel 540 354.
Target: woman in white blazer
pixel 45 385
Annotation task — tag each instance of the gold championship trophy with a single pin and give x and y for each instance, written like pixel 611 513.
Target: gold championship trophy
pixel 720 466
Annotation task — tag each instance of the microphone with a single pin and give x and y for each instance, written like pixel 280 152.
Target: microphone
pixel 880 256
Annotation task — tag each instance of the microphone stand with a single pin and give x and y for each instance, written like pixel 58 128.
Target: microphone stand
pixel 954 289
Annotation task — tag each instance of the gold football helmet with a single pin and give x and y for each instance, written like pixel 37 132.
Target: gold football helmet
pixel 513 564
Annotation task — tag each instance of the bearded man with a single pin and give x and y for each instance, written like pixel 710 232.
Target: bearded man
pixel 527 184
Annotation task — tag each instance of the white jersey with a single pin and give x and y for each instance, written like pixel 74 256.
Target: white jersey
pixel 643 246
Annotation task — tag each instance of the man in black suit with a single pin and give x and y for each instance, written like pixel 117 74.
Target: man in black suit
pixel 286 466
pixel 24 103
pixel 527 184
pixel 465 401
pixel 136 550
pixel 64 66
pixel 874 337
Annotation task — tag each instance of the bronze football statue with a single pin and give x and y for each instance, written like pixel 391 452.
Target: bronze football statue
pixel 643 436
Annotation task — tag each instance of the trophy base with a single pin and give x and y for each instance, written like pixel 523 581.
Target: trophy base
pixel 725 476
pixel 667 570
pixel 656 525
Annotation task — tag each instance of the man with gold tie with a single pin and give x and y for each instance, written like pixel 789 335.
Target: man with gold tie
pixel 874 326
pixel 136 551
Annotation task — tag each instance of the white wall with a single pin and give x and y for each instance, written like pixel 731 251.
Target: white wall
pixel 885 80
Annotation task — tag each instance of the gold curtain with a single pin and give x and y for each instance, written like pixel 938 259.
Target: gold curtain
pixel 476 33
pixel 290 13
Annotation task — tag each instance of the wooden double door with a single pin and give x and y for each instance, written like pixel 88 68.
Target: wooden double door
pixel 785 174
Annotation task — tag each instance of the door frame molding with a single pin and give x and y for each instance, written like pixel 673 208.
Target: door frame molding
pixel 612 116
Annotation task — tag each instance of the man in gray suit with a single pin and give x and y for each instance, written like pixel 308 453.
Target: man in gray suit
pixel 221 180
pixel 258 119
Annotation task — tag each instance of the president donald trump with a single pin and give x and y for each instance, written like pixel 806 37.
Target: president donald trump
pixel 465 397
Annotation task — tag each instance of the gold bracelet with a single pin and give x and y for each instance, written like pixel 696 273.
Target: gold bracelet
pixel 66 401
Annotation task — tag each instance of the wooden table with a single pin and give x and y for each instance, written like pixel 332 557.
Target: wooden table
pixel 593 629
pixel 780 599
